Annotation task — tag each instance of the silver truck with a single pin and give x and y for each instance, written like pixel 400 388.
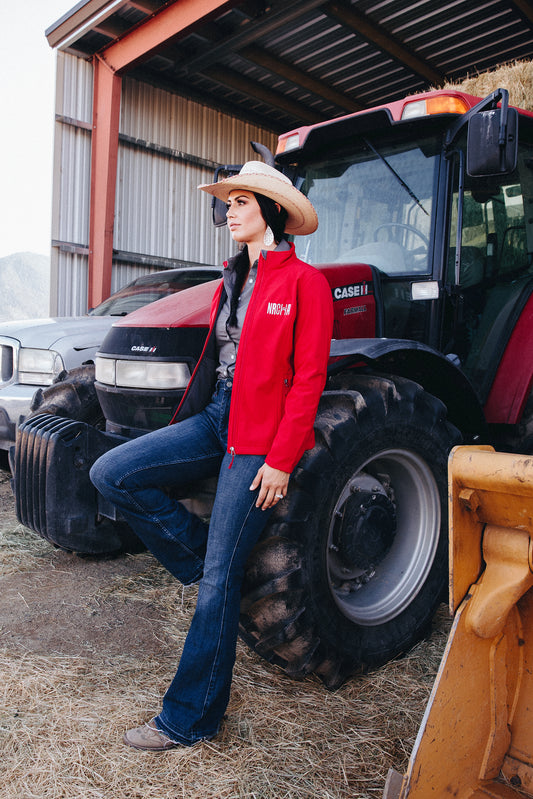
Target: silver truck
pixel 34 353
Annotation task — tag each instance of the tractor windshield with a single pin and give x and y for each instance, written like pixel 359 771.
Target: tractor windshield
pixel 374 202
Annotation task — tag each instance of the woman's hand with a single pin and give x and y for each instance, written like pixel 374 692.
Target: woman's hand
pixel 273 484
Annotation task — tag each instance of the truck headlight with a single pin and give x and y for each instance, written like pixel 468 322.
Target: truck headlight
pixel 156 375
pixel 38 367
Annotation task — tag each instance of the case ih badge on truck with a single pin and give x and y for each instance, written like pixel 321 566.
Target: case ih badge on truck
pixel 426 238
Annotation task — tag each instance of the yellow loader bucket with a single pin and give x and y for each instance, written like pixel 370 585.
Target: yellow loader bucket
pixel 476 737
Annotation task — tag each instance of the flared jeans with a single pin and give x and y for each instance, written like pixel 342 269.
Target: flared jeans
pixel 133 477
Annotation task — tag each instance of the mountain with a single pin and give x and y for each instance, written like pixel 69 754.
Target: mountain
pixel 24 286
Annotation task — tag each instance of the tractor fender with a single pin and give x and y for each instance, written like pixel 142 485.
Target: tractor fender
pixel 436 373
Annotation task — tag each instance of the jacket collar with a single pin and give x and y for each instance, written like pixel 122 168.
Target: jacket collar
pixel 278 258
pixel 283 246
pixel 275 257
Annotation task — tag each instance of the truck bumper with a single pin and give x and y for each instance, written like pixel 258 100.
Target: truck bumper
pixel 53 493
pixel 15 401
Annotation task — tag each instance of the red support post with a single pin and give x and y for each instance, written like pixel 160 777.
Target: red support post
pixel 104 155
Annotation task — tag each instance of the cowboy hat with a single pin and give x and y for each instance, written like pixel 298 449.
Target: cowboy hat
pixel 263 179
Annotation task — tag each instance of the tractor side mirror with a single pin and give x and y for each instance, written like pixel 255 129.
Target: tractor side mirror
pixel 218 209
pixel 492 147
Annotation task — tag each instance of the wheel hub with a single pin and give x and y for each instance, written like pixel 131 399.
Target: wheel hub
pixel 363 532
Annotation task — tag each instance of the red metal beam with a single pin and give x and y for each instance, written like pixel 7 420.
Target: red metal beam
pixel 124 53
pixel 104 154
pixel 149 36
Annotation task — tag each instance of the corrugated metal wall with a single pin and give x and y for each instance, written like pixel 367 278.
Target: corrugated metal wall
pixel 168 145
pixel 71 183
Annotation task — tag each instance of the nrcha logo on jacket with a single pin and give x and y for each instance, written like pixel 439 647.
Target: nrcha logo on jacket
pixel 279 308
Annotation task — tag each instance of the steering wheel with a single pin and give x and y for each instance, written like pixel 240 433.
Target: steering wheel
pixel 419 253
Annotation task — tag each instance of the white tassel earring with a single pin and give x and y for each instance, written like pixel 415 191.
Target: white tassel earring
pixel 268 238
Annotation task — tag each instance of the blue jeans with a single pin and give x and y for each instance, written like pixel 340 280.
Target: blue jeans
pixel 131 476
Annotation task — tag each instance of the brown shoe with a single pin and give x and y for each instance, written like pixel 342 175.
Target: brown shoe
pixel 149 738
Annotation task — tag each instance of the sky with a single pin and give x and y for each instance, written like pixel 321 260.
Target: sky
pixel 27 95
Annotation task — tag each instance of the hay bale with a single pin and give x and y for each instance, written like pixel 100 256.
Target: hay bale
pixel 516 77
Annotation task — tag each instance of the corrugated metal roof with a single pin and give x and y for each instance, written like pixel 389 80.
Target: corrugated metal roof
pixel 282 64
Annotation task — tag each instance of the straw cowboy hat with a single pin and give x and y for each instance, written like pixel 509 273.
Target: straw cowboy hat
pixel 264 179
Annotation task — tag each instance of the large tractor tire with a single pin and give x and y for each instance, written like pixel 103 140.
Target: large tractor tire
pixel 73 396
pixel 353 563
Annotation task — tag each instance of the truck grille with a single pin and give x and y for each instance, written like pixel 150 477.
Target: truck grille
pixel 53 493
pixel 7 362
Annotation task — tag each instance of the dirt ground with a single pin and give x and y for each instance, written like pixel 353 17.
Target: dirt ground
pixel 87 649
pixel 58 607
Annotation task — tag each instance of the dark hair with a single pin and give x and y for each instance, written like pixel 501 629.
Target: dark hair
pixel 276 219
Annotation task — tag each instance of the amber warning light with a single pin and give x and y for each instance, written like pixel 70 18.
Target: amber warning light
pixel 441 104
pixel 291 142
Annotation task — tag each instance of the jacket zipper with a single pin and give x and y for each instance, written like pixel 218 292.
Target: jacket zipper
pixel 246 324
pixel 210 334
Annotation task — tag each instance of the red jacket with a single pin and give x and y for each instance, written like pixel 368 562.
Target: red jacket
pixel 281 363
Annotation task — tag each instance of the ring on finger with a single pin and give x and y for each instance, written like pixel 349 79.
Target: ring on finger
pixel 279 496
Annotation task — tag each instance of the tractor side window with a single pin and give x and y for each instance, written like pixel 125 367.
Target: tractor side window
pixel 374 202
pixel 497 235
pixel 496 263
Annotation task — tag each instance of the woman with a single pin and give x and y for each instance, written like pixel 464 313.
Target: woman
pixel 247 416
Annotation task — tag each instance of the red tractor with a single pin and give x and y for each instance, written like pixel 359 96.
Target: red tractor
pixel 426 238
